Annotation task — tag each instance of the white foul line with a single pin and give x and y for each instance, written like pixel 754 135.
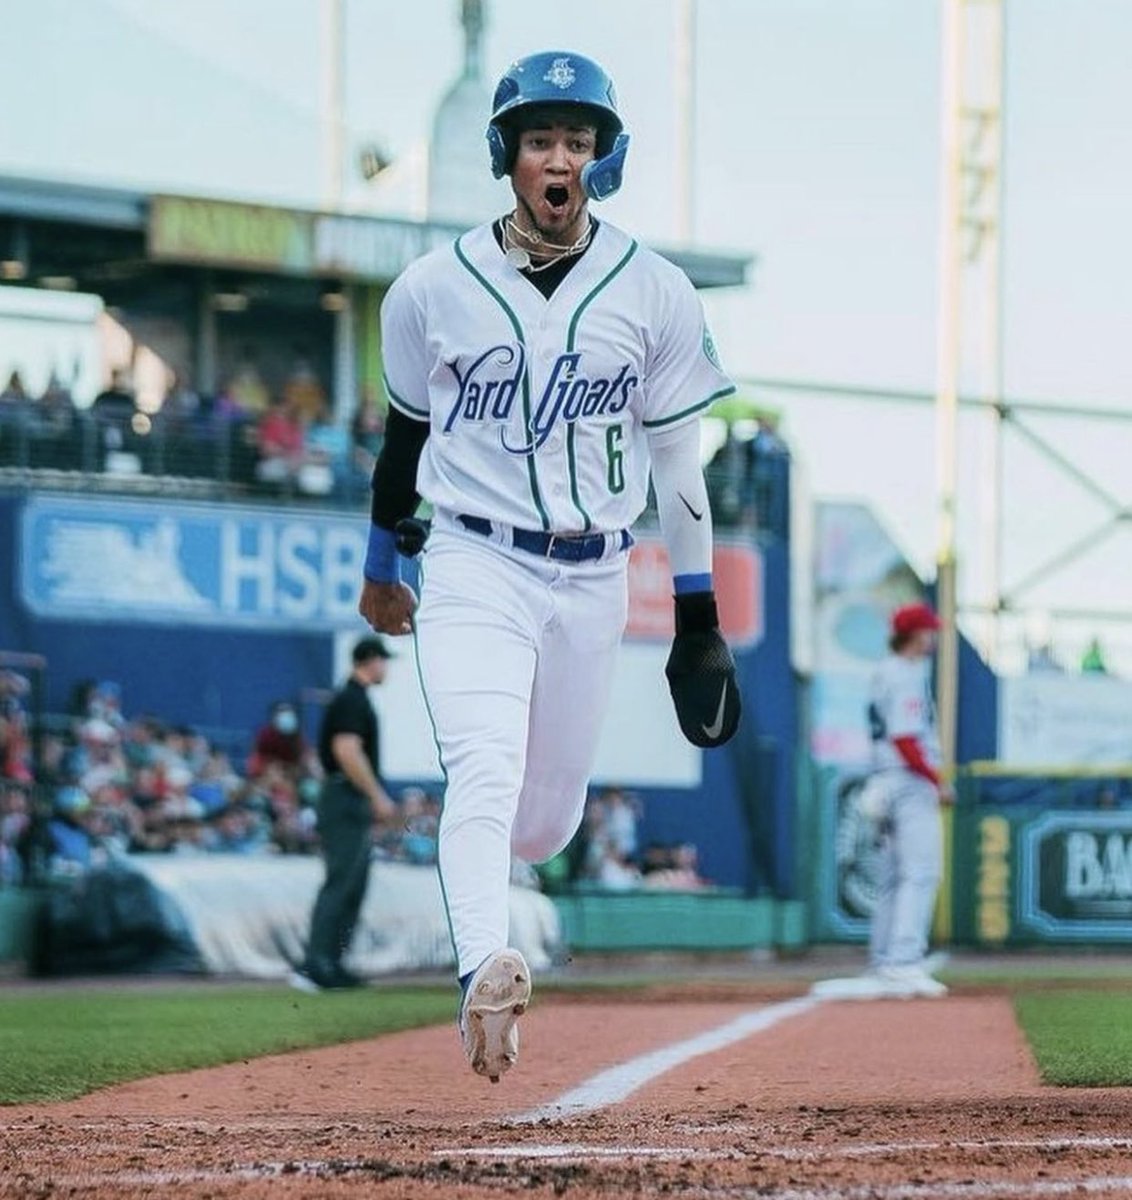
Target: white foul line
pixel 613 1085
pixel 990 1189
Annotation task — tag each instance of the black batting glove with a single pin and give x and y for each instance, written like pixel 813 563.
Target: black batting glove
pixel 701 673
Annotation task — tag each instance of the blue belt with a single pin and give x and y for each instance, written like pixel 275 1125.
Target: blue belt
pixel 579 547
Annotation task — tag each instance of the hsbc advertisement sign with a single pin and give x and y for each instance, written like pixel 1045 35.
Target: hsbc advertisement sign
pixel 1075 876
pixel 737 577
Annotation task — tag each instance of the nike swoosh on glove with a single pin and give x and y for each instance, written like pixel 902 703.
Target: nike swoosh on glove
pixel 701 674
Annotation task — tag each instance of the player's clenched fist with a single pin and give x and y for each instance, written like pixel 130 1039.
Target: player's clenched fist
pixel 388 607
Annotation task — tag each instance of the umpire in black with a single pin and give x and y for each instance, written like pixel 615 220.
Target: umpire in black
pixel 351 802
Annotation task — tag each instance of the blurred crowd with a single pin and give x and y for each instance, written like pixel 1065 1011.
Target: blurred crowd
pixel 607 854
pixel 109 785
pixel 281 441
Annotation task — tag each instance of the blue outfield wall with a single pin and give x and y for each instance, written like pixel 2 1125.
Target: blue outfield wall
pixel 186 667
pixel 206 613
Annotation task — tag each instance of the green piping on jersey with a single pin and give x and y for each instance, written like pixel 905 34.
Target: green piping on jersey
pixel 572 459
pixel 597 288
pixel 532 474
pixel 443 771
pixel 401 402
pixel 571 335
pixel 686 412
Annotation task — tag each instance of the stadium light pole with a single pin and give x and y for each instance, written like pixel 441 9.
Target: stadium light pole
pixel 684 90
pixel 333 101
pixel 947 383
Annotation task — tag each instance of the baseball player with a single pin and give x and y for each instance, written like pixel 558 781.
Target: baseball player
pixel 906 760
pixel 537 370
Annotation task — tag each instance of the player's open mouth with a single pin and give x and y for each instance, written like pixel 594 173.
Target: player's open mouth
pixel 556 195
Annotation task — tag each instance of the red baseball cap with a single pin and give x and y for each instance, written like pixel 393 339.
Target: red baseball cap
pixel 911 618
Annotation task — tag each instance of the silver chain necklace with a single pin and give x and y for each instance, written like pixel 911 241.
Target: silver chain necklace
pixel 519 257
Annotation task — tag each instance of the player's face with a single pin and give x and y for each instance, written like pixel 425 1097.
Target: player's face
pixel 925 642
pixel 547 179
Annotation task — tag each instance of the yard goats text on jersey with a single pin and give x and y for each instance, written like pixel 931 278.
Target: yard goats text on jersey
pixel 484 395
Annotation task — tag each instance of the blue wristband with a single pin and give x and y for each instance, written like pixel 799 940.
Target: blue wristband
pixel 691 583
pixel 381 556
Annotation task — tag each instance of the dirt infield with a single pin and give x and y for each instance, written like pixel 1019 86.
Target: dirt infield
pixel 768 1097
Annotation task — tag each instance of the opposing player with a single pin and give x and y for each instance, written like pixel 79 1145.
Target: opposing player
pixel 906 761
pixel 535 370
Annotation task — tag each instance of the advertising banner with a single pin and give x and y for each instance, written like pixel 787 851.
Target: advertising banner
pixel 1026 875
pixel 288 241
pixel 177 563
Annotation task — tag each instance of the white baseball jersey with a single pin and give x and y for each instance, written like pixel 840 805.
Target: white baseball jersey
pixel 901 705
pixel 539 409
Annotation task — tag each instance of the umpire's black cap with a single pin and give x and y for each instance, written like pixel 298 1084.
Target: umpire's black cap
pixel 370 647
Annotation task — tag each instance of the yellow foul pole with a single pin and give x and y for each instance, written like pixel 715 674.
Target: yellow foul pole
pixel 947 375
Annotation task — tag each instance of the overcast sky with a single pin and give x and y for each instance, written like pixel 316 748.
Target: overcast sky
pixel 817 151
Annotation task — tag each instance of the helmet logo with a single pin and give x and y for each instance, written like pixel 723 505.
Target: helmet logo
pixel 561 74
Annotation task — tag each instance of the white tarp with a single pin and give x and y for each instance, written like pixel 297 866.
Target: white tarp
pixel 1052 720
pixel 250 915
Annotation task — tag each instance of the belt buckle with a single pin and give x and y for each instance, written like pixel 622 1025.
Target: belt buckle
pixel 550 546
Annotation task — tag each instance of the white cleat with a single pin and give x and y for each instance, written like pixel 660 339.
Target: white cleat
pixel 908 981
pixel 497 996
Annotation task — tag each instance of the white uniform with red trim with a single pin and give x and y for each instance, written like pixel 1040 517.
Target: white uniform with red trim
pixel 911 861
pixel 536 465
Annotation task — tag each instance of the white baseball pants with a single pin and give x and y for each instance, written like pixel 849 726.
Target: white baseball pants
pixel 516 656
pixel 910 866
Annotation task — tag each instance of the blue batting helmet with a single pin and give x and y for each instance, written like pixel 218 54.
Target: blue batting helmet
pixel 560 77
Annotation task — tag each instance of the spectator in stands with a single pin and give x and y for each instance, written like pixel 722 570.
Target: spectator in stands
pixel 115 404
pixel 292 822
pixel 78 704
pixel 280 441
pixel 180 407
pixel 56 409
pixel 15 738
pixel 140 740
pixel 367 430
pixel 98 745
pixel 113 412
pixel 71 845
pixel 116 819
pixel 236 829
pixel 105 704
pixel 621 814
pixel 15 404
pixel 15 819
pixel 215 784
pixel 676 870
pixel 185 829
pixel 326 466
pixel 281 741
pixel 613 869
pixel 247 393
pixel 303 394
pixel 420 814
pixel 14 391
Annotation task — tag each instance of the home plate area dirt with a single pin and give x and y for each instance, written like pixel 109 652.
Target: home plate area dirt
pixel 795 1100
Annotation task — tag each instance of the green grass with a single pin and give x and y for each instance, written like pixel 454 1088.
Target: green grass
pixel 59 1046
pixel 1079 1038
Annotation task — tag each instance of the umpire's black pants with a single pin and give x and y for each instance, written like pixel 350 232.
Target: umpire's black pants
pixel 345 824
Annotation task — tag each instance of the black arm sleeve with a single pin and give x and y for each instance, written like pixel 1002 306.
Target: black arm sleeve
pixel 394 482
